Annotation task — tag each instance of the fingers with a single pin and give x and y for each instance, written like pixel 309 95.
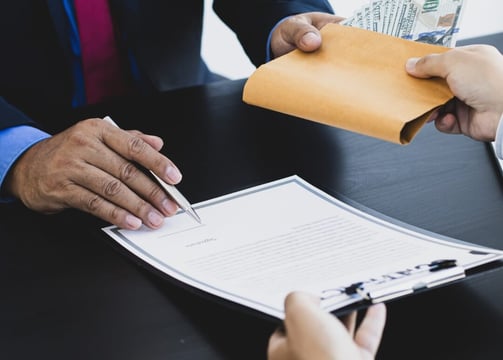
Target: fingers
pixel 98 206
pixel 116 170
pixel 300 31
pixel 303 315
pixel 92 167
pixel 435 113
pixel 299 306
pixel 427 66
pixel 277 348
pixel 448 124
pixel 350 322
pixel 121 200
pixel 134 148
pixel 313 332
pixel 369 333
pixel 154 141
pixel 120 181
pixel 446 117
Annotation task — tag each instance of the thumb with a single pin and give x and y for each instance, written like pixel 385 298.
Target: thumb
pixel 427 66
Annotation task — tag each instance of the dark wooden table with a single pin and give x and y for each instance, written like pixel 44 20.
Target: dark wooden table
pixel 67 292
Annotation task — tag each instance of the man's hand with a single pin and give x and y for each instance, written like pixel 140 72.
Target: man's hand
pixel 475 76
pixel 312 333
pixel 300 32
pixel 91 167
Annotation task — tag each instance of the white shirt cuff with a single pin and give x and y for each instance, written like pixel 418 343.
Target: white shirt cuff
pixel 498 141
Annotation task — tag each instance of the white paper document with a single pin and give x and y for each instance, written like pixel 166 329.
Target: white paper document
pixel 257 245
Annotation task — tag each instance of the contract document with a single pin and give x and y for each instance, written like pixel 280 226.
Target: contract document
pixel 256 245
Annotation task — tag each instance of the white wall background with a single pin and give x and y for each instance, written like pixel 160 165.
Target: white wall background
pixel 224 54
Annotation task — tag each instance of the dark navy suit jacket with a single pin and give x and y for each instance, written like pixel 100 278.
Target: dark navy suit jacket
pixel 163 36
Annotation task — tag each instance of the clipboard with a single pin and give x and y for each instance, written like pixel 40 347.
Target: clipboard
pixel 213 261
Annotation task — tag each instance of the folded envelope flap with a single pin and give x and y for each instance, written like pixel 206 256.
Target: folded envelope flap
pixel 355 81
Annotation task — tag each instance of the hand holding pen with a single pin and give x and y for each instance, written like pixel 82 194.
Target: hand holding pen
pixel 170 189
pixel 94 166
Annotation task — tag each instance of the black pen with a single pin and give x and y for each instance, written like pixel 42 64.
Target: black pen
pixel 171 190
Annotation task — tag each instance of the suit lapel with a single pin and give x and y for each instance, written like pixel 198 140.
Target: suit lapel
pixel 61 24
pixel 158 42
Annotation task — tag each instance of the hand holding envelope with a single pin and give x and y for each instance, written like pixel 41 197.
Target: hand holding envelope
pixel 356 81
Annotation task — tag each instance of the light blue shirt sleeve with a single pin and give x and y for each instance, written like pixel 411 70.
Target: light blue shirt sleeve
pixel 14 141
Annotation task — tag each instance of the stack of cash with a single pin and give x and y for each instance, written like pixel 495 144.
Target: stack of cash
pixel 430 21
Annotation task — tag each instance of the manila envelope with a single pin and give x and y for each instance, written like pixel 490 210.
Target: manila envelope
pixel 355 81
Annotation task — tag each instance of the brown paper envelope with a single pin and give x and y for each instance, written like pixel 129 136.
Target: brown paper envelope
pixel 355 81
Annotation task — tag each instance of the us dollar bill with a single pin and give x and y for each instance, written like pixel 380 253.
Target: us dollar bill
pixel 430 21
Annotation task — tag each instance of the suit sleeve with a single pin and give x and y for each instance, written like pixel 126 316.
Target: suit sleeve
pixel 252 21
pixel 11 116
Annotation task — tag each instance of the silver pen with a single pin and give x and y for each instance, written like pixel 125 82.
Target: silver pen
pixel 171 190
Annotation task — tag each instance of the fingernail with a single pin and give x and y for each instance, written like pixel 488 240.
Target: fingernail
pixel 169 206
pixel 310 37
pixel 411 64
pixel 173 174
pixel 154 218
pixel 133 222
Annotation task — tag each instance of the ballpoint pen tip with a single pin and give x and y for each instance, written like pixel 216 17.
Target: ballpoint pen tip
pixel 194 215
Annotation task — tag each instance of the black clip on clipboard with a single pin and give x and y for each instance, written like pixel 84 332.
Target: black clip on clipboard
pixel 436 273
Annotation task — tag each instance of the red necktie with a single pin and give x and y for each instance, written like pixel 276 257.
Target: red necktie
pixel 101 61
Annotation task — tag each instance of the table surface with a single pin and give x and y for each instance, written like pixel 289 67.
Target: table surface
pixel 68 292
